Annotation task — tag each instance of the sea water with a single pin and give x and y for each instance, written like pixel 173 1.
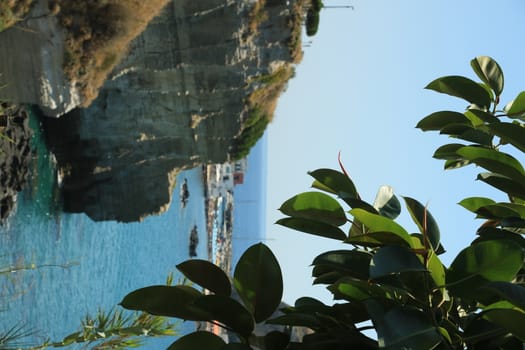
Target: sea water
pixel 66 265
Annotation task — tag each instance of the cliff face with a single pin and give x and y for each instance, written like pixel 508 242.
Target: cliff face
pixel 178 100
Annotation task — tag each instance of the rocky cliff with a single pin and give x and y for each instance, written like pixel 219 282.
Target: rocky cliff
pixel 179 99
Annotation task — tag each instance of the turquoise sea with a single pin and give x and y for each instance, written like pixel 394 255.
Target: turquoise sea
pixel 68 265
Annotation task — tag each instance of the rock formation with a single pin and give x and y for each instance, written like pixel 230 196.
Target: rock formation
pixel 178 100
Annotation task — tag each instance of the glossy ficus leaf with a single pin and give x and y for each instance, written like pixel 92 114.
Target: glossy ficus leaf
pixel 461 87
pixel 206 275
pixel 381 224
pixel 483 262
pixel 392 260
pixel 511 292
pixel 468 133
pixel 361 290
pixel 439 120
pixel 256 270
pixel 386 203
pixel 315 206
pixel 276 340
pixel 516 108
pixel 455 164
pixel 507 316
pixel 474 203
pixel 334 182
pixel 198 340
pixel 448 151
pixel 487 233
pixel 424 220
pixel 328 278
pixel 313 227
pixel 358 203
pixel 510 133
pixel 477 115
pixel 489 71
pixel 377 239
pixel 436 269
pixel 494 161
pixel 404 327
pixel 504 183
pixel 353 263
pixel 502 211
pixel 227 311
pixel 169 301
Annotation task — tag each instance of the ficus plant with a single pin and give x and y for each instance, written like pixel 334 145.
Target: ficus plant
pixel 385 278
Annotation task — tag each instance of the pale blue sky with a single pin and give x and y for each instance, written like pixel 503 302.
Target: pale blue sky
pixel 359 90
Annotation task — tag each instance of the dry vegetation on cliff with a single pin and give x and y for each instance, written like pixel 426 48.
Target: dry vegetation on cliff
pixel 98 33
pixel 13 11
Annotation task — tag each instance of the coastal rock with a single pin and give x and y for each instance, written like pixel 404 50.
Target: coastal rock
pixel 31 57
pixel 178 100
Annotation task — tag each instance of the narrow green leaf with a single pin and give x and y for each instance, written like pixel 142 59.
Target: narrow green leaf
pixel 474 203
pixel 386 203
pixel 206 275
pixel 481 263
pixel 337 182
pixel 313 227
pixel 228 312
pixel 516 108
pixel 256 270
pixel 198 340
pixel 461 87
pixel 315 206
pixel 380 224
pixel 170 301
pixel 354 263
pixel 392 260
pixel 424 221
pixel 468 133
pixel 510 133
pixel 476 115
pixel 503 183
pixel 502 211
pixel 439 120
pixel 489 71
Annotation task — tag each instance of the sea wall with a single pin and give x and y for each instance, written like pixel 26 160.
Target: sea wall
pixel 178 100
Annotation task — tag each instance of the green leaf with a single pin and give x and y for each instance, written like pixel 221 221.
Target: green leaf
pixel 461 87
pixel 404 327
pixel 424 221
pixel 354 263
pixel 386 203
pixel 507 316
pixel 468 133
pixel 439 120
pixel 259 282
pixel 503 183
pixel 361 290
pixel 392 260
pixel 206 275
pixel 510 133
pixel 478 117
pixel 315 206
pixel 491 233
pixel 455 164
pixel 448 151
pixel 511 292
pixel 313 227
pixel 228 312
pixel 380 224
pixel 170 301
pixel 276 340
pixel 334 182
pixel 481 263
pixel 474 203
pixel 489 71
pixel 297 319
pixel 494 161
pixel 198 340
pixel 502 211
pixel 516 108
pixel 436 269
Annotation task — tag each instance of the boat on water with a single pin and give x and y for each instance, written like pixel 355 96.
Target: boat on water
pixel 184 193
pixel 194 241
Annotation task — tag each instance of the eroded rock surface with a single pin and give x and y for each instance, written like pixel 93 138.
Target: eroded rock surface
pixel 177 101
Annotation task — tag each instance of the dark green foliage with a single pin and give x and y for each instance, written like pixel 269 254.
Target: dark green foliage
pixel 249 136
pixel 388 276
pixel 312 21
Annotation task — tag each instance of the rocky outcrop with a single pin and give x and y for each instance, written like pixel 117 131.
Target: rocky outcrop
pixel 178 100
pixel 31 57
